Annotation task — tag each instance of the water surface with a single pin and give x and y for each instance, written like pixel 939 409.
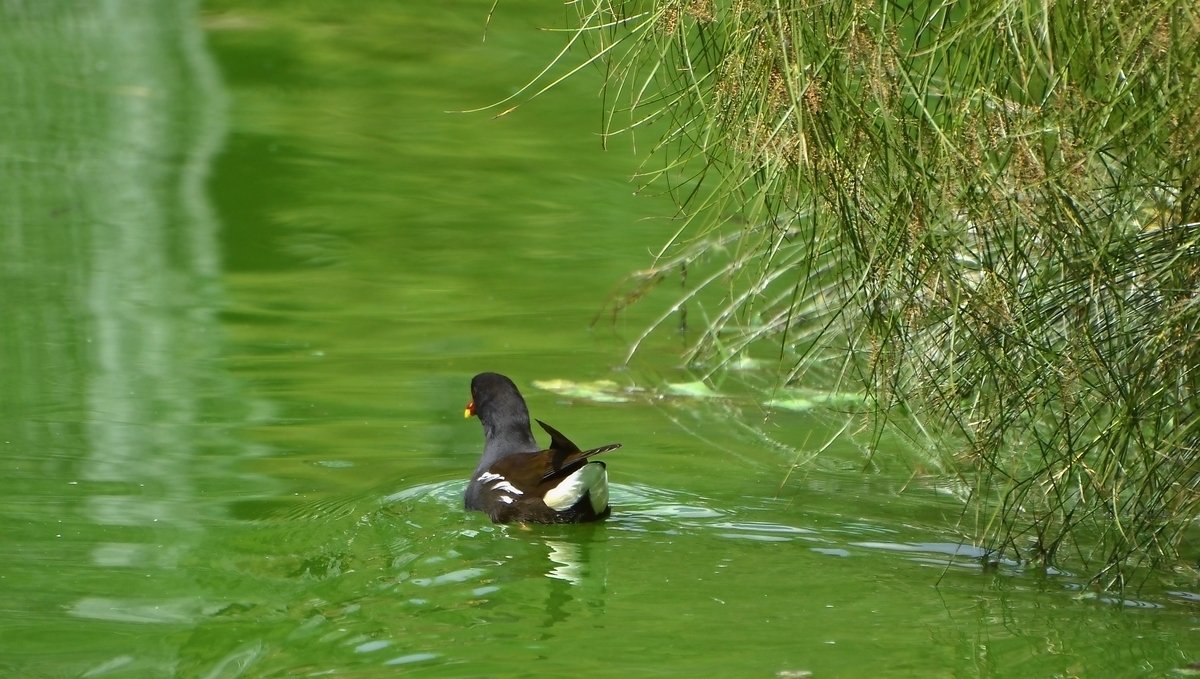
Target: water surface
pixel 251 263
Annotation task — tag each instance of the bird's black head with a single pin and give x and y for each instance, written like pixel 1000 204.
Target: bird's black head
pixel 497 402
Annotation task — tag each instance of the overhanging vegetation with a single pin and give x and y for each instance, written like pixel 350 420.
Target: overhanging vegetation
pixel 987 213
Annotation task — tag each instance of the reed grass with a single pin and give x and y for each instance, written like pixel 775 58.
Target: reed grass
pixel 985 214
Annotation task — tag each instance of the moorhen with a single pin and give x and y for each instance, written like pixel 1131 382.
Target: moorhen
pixel 517 480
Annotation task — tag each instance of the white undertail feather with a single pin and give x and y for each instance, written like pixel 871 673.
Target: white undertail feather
pixel 599 496
pixel 591 478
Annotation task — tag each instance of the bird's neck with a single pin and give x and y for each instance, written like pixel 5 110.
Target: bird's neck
pixel 504 437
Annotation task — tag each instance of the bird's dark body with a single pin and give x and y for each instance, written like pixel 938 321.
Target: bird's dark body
pixel 515 479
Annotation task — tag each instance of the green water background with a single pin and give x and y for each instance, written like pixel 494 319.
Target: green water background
pixel 251 260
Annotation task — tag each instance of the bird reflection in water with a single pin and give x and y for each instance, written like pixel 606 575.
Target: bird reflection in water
pixel 567 555
pixel 578 570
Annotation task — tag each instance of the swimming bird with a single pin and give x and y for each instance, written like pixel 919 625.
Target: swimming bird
pixel 516 479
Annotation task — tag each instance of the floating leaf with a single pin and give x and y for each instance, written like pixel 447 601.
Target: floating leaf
pixel 802 400
pixel 599 391
pixel 793 404
pixel 746 363
pixel 692 389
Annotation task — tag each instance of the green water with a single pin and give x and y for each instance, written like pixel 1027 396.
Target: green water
pixel 250 264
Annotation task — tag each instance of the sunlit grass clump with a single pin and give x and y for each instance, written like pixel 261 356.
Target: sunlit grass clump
pixel 987 213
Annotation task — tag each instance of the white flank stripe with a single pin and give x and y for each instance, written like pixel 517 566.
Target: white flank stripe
pixel 590 478
pixel 505 485
pixel 506 499
pixel 489 476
